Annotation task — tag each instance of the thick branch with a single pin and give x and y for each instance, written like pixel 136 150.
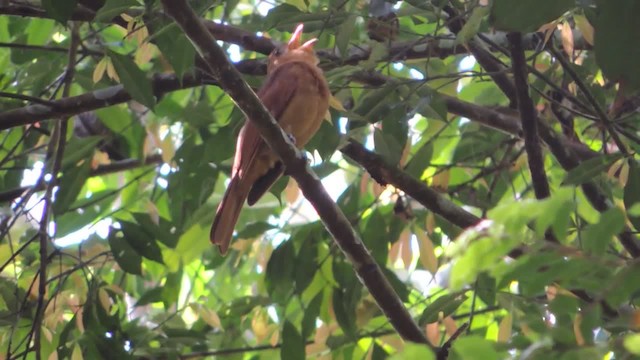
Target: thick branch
pixel 385 173
pixel 429 47
pixel 91 101
pixel 334 220
pixel 528 118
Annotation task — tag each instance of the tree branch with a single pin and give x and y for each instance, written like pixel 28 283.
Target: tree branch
pixel 385 173
pixel 528 118
pixel 56 148
pixel 92 101
pixel 296 163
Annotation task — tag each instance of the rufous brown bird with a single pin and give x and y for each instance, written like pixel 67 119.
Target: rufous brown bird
pixel 297 95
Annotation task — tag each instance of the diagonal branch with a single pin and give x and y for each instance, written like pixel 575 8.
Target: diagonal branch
pixel 334 220
pixel 385 173
pixel 94 100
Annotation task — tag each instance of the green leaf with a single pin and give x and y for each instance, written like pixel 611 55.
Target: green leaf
pixel 279 273
pixel 141 241
pixel 617 33
pixel 113 8
pixel 71 184
pixel 177 48
pixel 527 15
pixel 597 236
pixel 420 160
pixel 254 229
pixel 446 304
pixel 161 231
pixel 474 347
pixel 632 343
pixel 78 149
pixel 60 10
pixel 589 169
pixel 628 285
pixel 486 288
pixel 150 296
pixel 126 257
pixel 292 343
pixel 386 147
pixel 375 236
pixel 632 192
pixel 133 79
pixel 311 313
pixel 305 264
pixel 472 25
pixel 344 33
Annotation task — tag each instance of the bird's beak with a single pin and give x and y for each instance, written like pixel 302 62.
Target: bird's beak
pixel 294 43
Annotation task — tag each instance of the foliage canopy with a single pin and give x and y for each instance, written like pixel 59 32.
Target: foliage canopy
pixel 484 153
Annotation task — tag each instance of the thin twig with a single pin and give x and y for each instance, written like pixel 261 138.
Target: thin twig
pixel 528 118
pixel 604 118
pixel 58 142
pixel 444 350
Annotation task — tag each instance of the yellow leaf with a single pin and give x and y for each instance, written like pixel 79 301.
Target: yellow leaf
pixel 126 17
pixel 405 154
pixel 635 320
pixel 432 331
pixel 576 330
pixel 152 209
pixel 209 316
pixel 292 191
pixel 336 104
pixel 430 223
pixel 105 300
pixel 548 30
pixel 47 334
pixel 585 28
pixel 77 353
pixel 364 182
pixel 567 39
pixel 327 117
pixel 259 325
pixel 440 180
pixel 168 149
pixel 53 356
pixel 274 338
pixel 427 251
pixel 111 71
pixel 504 330
pixel 450 326
pixel 98 73
pixel 405 248
pixel 144 53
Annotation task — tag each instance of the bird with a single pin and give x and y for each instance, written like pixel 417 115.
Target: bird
pixel 296 94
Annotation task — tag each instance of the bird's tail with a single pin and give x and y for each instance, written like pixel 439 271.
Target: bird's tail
pixel 227 216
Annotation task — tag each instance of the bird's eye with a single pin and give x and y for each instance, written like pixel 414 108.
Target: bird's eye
pixel 278 51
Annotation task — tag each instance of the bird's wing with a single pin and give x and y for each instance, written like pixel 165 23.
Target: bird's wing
pixel 276 93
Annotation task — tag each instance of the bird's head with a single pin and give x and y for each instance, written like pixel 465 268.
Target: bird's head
pixel 293 51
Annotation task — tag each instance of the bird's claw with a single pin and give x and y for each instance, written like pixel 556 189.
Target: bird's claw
pixel 291 138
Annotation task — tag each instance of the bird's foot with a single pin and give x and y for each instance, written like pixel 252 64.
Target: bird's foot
pixel 291 138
